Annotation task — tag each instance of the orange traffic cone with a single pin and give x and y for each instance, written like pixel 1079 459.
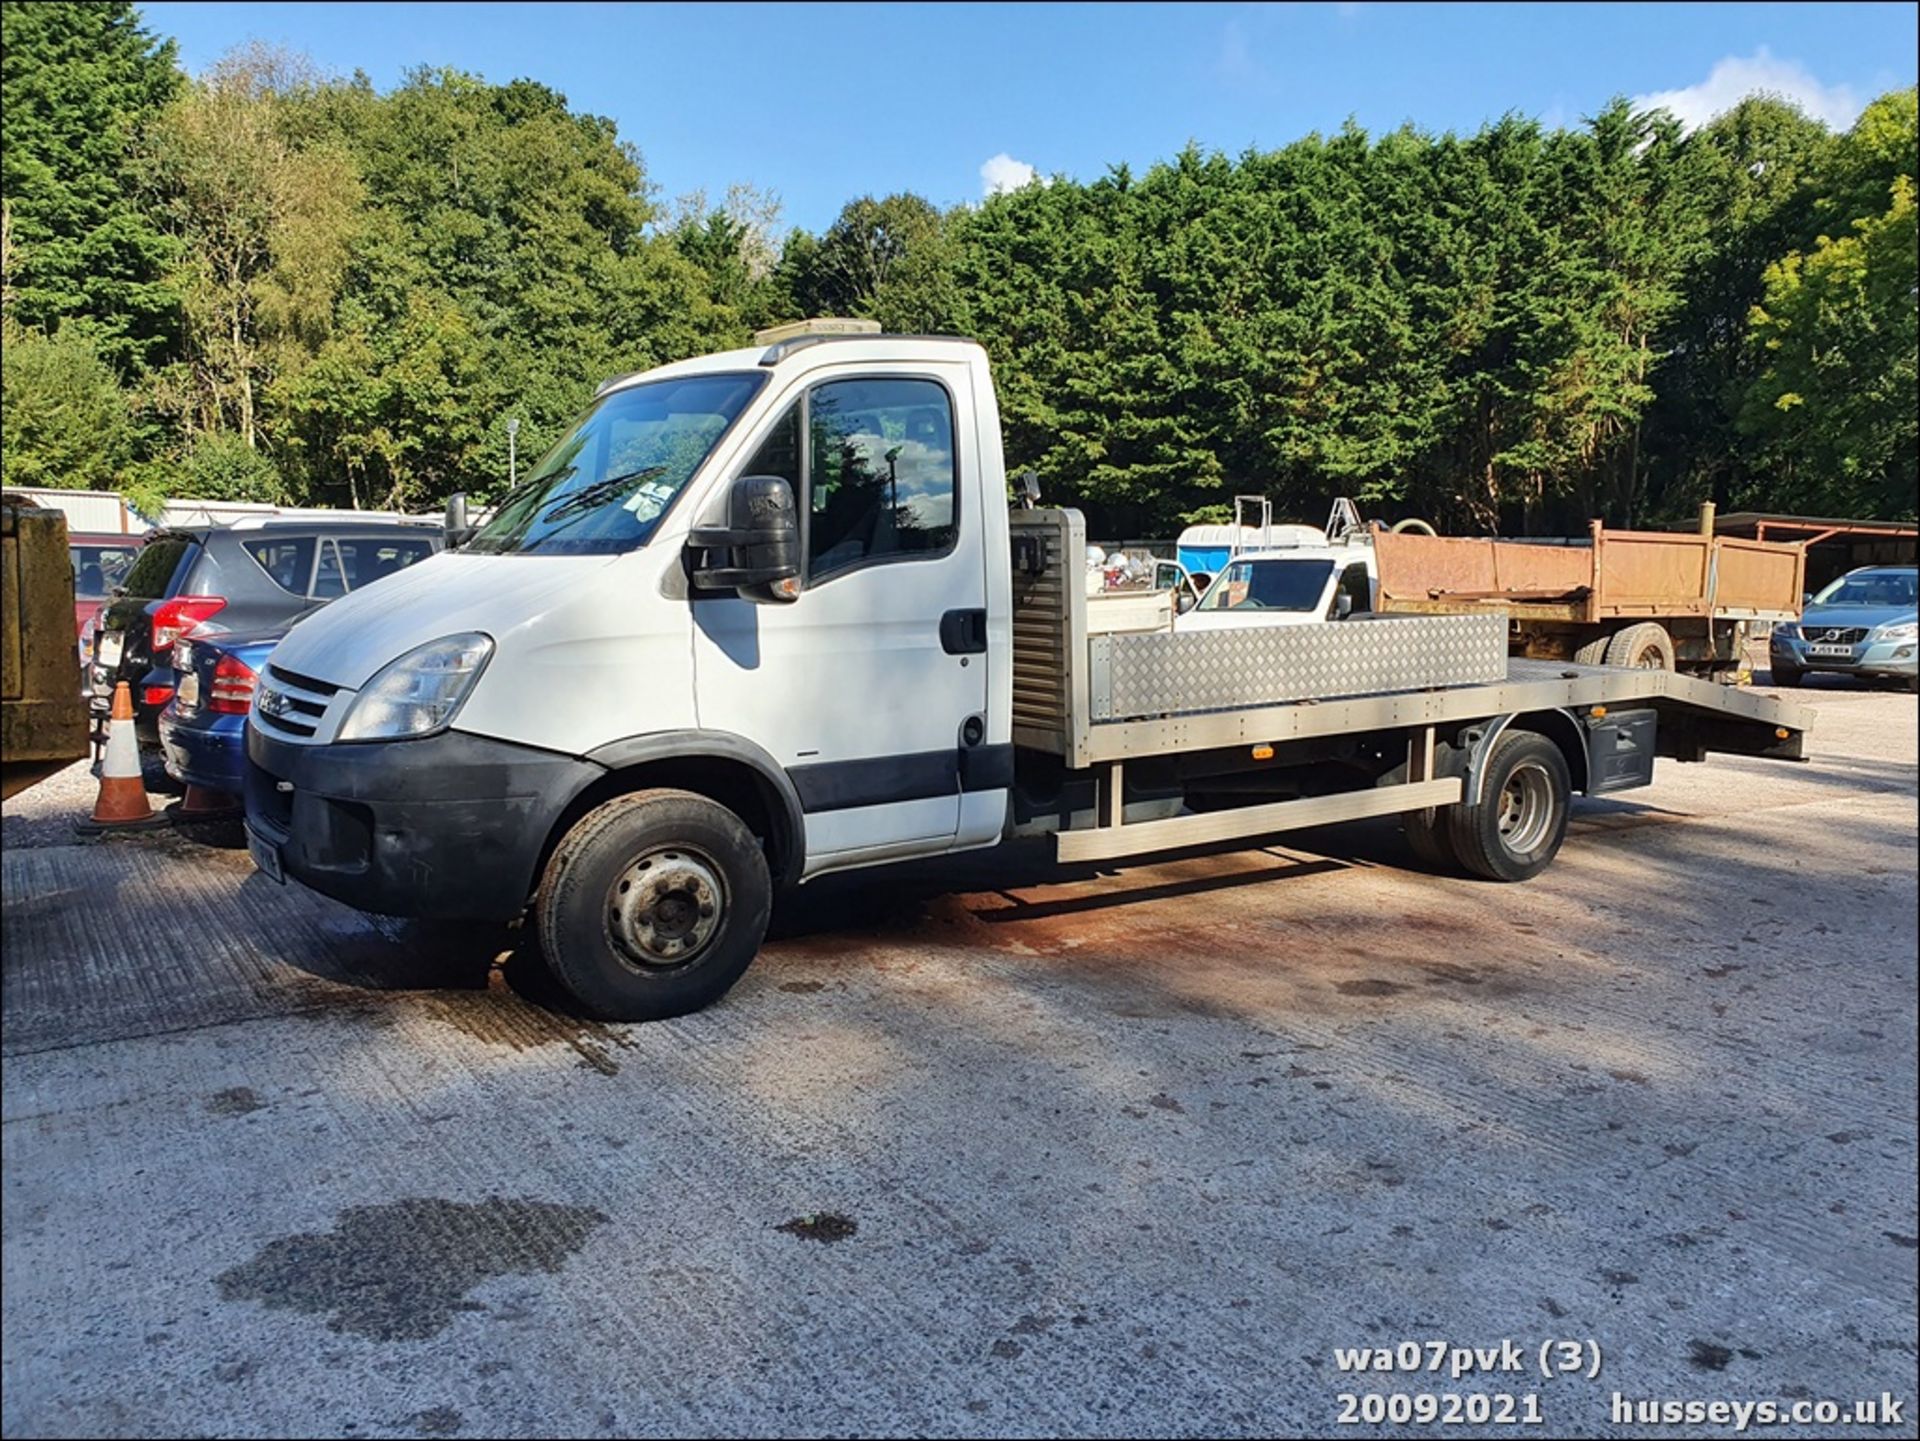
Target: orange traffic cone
pixel 201 803
pixel 122 803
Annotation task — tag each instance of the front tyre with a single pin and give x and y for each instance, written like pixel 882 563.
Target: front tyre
pixel 1515 829
pixel 653 905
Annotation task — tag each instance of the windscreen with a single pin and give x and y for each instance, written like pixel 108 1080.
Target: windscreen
pixel 606 485
pixel 1294 585
pixel 1879 588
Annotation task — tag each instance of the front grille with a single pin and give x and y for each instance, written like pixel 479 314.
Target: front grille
pixel 302 682
pixel 292 704
pixel 1822 635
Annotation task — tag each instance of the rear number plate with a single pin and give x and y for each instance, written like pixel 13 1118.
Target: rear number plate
pixel 1831 652
pixel 266 856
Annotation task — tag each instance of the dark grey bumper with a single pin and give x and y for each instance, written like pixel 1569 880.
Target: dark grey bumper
pixel 448 827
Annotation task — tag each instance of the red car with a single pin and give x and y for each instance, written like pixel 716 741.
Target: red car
pixel 100 562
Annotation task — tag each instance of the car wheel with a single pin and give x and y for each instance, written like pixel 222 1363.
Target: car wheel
pixel 1787 678
pixel 653 905
pixel 1515 829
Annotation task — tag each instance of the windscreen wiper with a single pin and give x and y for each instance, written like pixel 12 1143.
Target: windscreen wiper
pixel 592 496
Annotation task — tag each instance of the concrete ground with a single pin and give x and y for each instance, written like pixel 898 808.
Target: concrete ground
pixel 1130 1152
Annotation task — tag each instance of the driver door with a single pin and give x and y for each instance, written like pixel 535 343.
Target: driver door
pixel 863 688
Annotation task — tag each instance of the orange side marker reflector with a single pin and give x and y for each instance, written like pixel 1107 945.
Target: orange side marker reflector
pixel 1599 712
pixel 1781 733
pixel 1263 753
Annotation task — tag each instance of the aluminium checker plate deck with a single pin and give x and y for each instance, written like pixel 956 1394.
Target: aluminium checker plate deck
pixel 1156 673
pixel 1526 686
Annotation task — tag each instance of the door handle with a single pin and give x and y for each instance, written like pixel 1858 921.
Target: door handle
pixel 964 632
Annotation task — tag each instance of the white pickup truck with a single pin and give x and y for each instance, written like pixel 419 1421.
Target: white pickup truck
pixel 768 614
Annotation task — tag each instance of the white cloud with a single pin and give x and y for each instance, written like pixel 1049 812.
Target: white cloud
pixel 1735 78
pixel 1004 173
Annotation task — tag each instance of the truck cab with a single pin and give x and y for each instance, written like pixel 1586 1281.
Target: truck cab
pixel 1289 585
pixel 419 749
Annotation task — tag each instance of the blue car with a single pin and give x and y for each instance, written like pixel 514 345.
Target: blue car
pixel 1863 624
pixel 203 729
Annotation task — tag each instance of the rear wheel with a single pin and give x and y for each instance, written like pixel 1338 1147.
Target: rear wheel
pixel 1515 829
pixel 1594 652
pixel 653 905
pixel 1642 647
pixel 1430 840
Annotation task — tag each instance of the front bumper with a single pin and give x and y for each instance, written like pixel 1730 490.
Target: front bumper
pixel 213 755
pixel 1870 657
pixel 449 827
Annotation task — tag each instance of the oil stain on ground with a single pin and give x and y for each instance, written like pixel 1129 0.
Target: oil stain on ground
pixel 402 1271
pixel 823 1226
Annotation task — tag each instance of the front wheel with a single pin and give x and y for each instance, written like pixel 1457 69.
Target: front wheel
pixel 653 905
pixel 1515 829
pixel 1787 678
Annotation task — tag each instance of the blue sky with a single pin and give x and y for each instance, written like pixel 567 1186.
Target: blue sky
pixel 820 103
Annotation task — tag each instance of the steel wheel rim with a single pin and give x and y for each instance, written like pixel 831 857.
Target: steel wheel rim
pixel 664 909
pixel 1526 808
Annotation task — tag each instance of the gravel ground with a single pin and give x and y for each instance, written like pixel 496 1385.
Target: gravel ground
pixel 988 1149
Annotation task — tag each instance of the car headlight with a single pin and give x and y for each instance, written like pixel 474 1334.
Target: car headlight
pixel 1906 630
pixel 1786 631
pixel 420 692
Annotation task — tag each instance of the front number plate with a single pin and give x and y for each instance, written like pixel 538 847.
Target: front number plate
pixel 266 856
pixel 1831 652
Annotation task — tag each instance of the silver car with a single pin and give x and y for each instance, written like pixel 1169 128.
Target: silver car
pixel 1863 624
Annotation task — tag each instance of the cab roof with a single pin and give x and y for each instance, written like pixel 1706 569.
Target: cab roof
pixel 844 347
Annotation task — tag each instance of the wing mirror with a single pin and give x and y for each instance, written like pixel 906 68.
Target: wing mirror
pixel 757 551
pixel 1342 606
pixel 455 528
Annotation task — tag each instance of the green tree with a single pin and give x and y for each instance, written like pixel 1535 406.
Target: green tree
pixel 265 216
pixel 65 421
pixel 1834 400
pixel 78 84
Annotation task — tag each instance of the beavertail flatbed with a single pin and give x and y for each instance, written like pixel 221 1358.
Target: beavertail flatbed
pixel 638 707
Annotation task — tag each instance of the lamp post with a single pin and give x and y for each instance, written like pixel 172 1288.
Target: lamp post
pixel 513 459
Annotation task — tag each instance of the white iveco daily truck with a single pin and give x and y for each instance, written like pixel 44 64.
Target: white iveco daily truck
pixel 767 614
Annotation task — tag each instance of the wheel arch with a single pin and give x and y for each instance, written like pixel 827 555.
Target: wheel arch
pixel 1558 726
pixel 725 768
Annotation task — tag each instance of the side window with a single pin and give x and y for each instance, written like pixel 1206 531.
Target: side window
pixel 287 560
pixel 329 582
pixel 881 473
pixel 365 559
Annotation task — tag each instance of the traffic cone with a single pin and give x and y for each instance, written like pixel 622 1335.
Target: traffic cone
pixel 202 803
pixel 122 803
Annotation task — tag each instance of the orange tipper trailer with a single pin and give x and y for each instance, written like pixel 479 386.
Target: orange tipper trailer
pixel 1673 600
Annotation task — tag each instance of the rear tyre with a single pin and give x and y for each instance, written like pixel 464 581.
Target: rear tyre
pixel 653 905
pixel 1641 647
pixel 1430 839
pixel 1515 829
pixel 1594 652
pixel 1787 678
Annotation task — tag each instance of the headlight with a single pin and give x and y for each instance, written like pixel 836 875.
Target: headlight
pixel 1906 630
pixel 419 693
pixel 1786 631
